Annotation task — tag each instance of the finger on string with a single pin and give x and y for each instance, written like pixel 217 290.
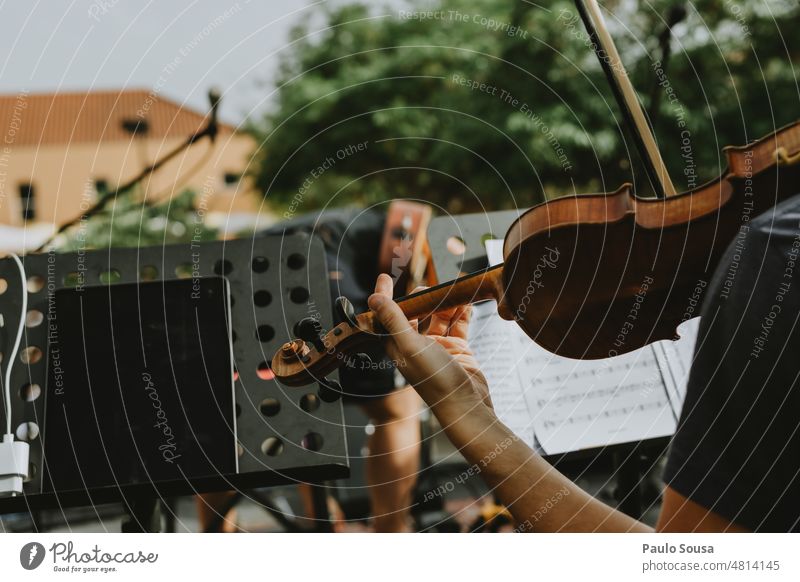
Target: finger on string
pixel 389 314
pixel 384 285
pixel 440 321
pixel 459 324
pixel 437 323
pixel 454 344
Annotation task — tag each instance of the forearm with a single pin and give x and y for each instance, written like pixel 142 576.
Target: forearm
pixel 538 496
pixel 446 375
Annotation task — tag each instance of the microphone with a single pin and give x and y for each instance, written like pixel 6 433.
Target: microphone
pixel 214 98
pixel 676 14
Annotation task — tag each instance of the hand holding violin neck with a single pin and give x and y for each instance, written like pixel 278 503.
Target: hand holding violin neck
pixel 299 362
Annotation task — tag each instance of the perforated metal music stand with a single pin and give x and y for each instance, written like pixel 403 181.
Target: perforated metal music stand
pixel 470 229
pixel 284 434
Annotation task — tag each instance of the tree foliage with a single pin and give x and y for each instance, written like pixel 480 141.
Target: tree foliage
pixel 128 223
pixel 497 103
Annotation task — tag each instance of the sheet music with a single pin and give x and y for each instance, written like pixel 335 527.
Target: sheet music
pixel 589 403
pixel 488 339
pixel 675 359
pixel 570 404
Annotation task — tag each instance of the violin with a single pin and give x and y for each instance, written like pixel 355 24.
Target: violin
pixel 593 276
pixel 596 275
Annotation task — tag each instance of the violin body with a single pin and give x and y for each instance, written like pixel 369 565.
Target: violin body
pixel 595 276
pixel 630 269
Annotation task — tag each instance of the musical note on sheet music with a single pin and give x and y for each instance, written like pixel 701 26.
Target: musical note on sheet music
pixel 601 393
pixel 611 413
pixel 612 367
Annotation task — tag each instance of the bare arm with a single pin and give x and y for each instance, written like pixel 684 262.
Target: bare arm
pixel 444 372
pixel 539 497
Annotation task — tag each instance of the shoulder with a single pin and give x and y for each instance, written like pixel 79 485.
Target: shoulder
pixel 786 212
pixel 763 248
pixel 778 225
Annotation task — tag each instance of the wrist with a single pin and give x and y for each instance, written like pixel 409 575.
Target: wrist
pixel 455 410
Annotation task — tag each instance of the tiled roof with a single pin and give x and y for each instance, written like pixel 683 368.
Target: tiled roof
pixel 94 116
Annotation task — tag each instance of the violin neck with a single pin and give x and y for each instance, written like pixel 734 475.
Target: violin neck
pixel 480 286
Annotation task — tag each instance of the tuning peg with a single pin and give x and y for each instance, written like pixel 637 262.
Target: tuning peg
pixel 345 310
pixel 329 390
pixel 310 330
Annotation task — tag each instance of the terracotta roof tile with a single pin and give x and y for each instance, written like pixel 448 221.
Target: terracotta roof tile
pixel 95 116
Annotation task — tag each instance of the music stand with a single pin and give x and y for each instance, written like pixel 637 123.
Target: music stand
pixel 471 230
pixel 284 434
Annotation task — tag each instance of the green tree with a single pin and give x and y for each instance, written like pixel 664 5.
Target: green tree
pixel 128 223
pixel 494 103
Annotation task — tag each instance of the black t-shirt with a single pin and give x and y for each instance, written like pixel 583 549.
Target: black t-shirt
pixel 737 448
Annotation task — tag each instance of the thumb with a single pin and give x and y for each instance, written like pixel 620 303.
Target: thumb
pixel 389 314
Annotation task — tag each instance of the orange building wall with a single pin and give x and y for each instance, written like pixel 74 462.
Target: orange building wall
pixel 64 175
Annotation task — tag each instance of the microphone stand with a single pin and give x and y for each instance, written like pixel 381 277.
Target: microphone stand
pixel 210 130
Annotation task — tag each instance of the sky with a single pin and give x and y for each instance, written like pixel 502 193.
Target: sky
pixel 179 49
